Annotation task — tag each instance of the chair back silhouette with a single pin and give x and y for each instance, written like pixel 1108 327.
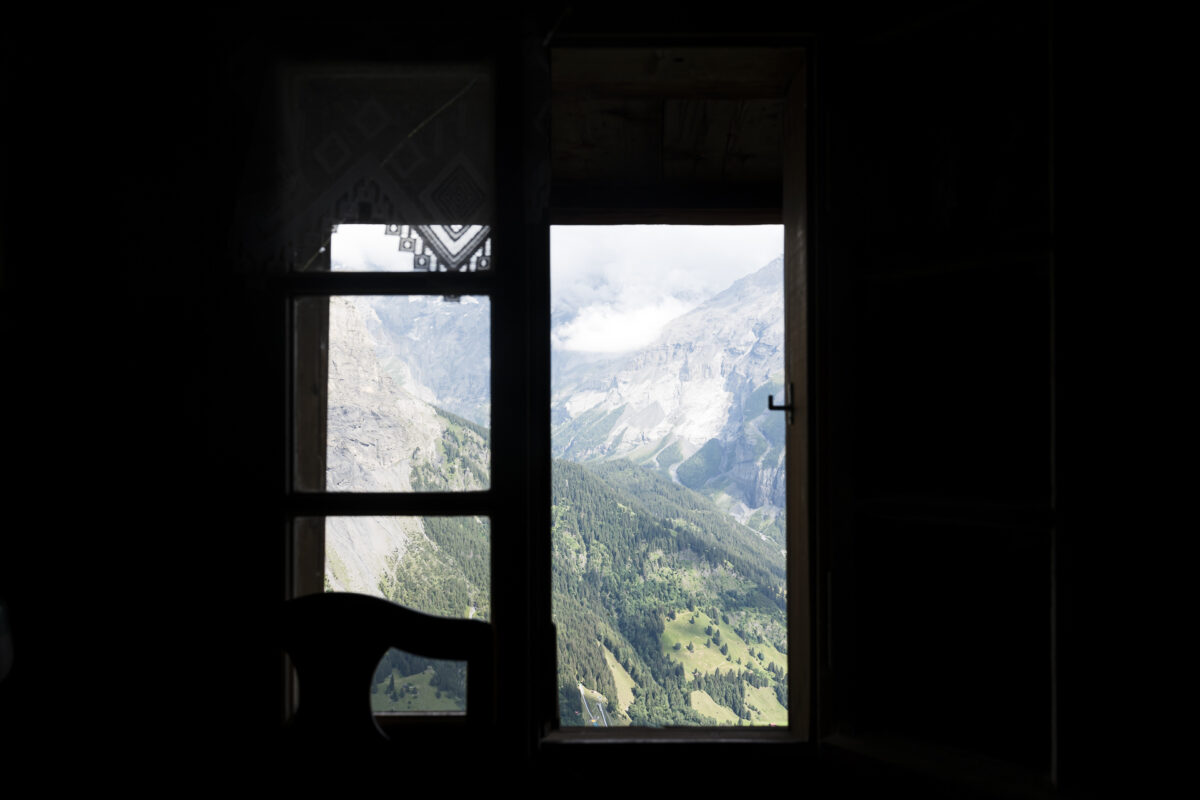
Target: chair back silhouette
pixel 336 641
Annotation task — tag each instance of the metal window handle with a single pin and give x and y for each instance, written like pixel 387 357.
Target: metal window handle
pixel 787 403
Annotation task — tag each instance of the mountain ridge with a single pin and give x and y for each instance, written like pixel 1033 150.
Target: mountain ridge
pixel 664 403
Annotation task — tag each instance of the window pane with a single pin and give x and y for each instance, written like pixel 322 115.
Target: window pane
pixel 436 565
pixel 669 531
pixel 409 145
pixel 408 683
pixel 406 404
pixel 411 248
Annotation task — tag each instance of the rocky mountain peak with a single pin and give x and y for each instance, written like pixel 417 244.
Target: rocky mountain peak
pixel 689 400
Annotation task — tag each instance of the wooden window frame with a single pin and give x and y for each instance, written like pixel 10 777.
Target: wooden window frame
pixel 600 205
pixel 518 500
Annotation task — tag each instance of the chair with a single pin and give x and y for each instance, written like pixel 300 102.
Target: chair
pixel 336 641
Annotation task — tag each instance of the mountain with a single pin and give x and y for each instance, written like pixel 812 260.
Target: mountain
pixel 383 438
pixel 693 404
pixel 438 349
pixel 666 607
pixel 384 434
pixel 669 610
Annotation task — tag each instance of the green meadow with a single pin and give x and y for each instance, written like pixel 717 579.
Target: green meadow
pixel 765 707
pixel 704 656
pixel 623 680
pixel 709 708
pixel 414 693
pixel 689 628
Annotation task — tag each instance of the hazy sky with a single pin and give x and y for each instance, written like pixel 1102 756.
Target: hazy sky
pixel 613 288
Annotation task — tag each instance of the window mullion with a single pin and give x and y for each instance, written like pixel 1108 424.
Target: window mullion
pixel 399 504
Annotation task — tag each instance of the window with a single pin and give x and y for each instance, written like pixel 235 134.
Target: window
pixel 687 136
pixel 669 480
pixel 398 148
pixel 390 303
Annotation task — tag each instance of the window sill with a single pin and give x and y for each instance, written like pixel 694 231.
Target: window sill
pixel 587 737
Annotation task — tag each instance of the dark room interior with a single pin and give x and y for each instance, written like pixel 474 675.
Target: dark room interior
pixel 959 541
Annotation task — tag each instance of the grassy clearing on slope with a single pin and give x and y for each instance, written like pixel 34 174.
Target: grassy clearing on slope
pixel 702 465
pixel 689 627
pixel 709 708
pixel 748 652
pixel 334 564
pixel 769 711
pixel 708 659
pixel 680 630
pixel 622 679
pixel 646 454
pixel 588 431
pixel 422 696
pixel 669 455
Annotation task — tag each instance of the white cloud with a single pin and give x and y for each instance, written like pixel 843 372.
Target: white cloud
pixel 367 248
pixel 607 329
pixel 617 286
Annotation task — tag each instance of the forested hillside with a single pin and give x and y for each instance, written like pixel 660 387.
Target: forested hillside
pixel 689 605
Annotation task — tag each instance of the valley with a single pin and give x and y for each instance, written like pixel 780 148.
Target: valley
pixel 668 544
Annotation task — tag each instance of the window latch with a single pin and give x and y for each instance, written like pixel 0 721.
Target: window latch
pixel 787 403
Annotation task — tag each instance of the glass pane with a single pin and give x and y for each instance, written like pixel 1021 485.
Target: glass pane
pixel 408 683
pixel 411 248
pixel 669 533
pixel 404 145
pixel 436 565
pixel 399 393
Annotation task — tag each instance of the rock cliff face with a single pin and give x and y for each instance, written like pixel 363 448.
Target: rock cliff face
pixel 374 426
pixel 692 404
pixel 385 436
pixel 437 349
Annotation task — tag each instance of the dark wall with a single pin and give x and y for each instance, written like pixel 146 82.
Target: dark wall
pixel 975 493
pixel 139 553
pixel 938 245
